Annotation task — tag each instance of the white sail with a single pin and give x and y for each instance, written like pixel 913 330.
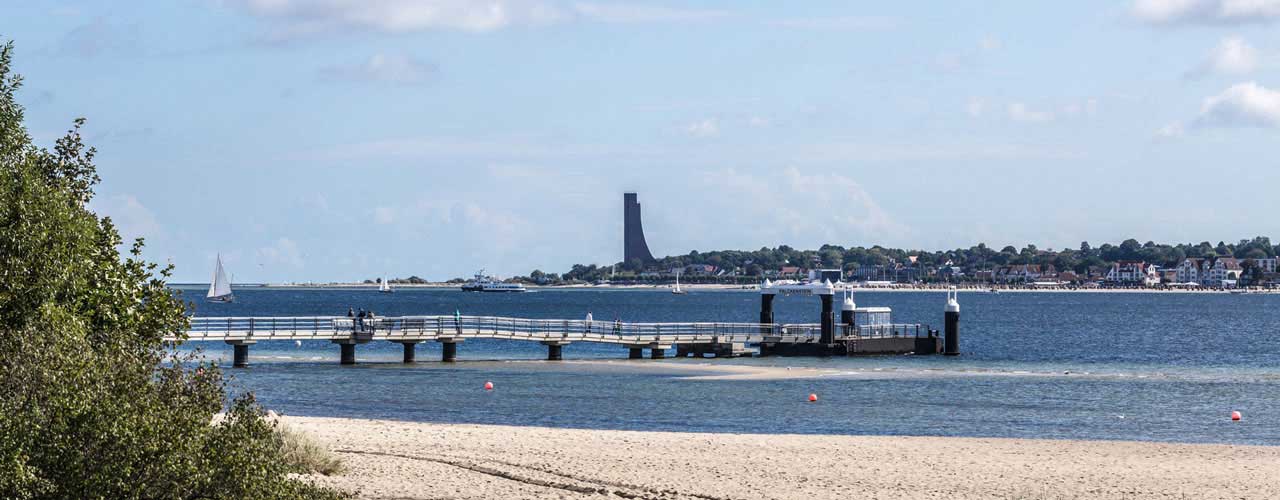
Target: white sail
pixel 220 286
pixel 385 286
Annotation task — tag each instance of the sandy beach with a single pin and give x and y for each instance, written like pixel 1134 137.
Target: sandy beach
pixel 405 460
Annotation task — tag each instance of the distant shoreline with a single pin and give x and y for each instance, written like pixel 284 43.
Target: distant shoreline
pixel 745 288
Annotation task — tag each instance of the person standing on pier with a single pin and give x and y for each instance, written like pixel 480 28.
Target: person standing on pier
pixel 457 321
pixel 617 325
pixel 588 322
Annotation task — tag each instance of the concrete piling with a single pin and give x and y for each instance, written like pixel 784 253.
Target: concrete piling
pixel 240 352
pixel 636 353
pixel 410 350
pixel 555 349
pixel 348 356
pixel 450 352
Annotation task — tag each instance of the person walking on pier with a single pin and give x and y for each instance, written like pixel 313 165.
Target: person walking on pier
pixel 457 321
pixel 617 325
pixel 588 322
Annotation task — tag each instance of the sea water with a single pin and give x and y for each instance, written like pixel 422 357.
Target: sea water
pixel 1125 366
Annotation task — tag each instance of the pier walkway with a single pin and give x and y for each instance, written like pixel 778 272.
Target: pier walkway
pixel 701 338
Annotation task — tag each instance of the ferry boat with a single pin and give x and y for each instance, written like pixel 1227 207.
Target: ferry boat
pixel 482 283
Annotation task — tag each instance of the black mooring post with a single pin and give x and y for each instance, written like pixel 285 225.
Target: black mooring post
pixel 828 320
pixel 766 307
pixel 951 334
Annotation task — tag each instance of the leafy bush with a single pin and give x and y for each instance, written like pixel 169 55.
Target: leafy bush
pixel 93 402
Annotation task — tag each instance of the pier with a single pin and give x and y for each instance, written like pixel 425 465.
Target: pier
pixel 859 331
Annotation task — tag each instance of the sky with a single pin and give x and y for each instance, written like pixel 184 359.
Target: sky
pixel 333 140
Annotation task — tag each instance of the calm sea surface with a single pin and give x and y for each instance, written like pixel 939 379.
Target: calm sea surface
pixel 1160 367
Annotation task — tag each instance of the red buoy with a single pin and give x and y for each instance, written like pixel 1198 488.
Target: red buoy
pixel 813 398
pixel 488 386
pixel 1235 416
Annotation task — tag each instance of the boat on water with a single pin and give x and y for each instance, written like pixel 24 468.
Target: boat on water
pixel 384 286
pixel 482 283
pixel 220 287
pixel 677 290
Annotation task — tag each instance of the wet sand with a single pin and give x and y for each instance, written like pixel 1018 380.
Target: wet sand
pixel 389 459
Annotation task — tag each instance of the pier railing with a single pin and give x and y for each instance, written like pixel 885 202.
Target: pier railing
pixel 448 327
pixel 812 332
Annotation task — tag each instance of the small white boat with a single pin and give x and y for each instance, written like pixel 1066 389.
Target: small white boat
pixel 384 286
pixel 677 290
pixel 220 287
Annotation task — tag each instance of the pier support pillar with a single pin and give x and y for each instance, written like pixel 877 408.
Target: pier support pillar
pixel 450 349
pixel 555 349
pixel 636 353
pixel 410 350
pixel 240 352
pixel 657 352
pixel 828 319
pixel 348 356
pixel 951 333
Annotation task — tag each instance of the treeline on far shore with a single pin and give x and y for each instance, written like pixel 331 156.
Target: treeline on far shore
pixel 750 266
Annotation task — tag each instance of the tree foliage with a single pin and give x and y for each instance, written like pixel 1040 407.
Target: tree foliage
pixel 93 403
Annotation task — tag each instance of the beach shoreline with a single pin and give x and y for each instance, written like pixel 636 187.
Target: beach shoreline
pixel 393 459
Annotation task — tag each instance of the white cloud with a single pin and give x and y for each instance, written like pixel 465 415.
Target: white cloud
pixel 989 42
pixel 821 207
pixel 758 122
pixel 397 69
pixel 301 18
pixel 309 17
pixel 1232 56
pixel 283 251
pixel 846 23
pixel 1171 12
pixel 976 106
pixel 634 13
pixel 132 219
pixel 384 215
pixel 1243 105
pixel 709 127
pixel 1019 112
pixel 1171 130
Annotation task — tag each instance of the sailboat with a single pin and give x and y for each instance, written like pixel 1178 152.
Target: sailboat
pixel 220 287
pixel 677 290
pixel 385 286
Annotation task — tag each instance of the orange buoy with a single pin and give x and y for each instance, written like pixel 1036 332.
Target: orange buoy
pixel 813 398
pixel 488 386
pixel 1235 416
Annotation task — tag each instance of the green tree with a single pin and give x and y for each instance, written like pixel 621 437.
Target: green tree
pixel 95 404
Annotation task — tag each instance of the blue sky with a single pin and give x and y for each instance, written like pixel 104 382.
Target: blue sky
pixel 345 139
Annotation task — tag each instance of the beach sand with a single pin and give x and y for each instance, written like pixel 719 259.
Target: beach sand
pixel 390 459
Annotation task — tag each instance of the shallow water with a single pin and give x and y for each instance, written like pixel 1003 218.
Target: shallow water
pixel 1163 367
